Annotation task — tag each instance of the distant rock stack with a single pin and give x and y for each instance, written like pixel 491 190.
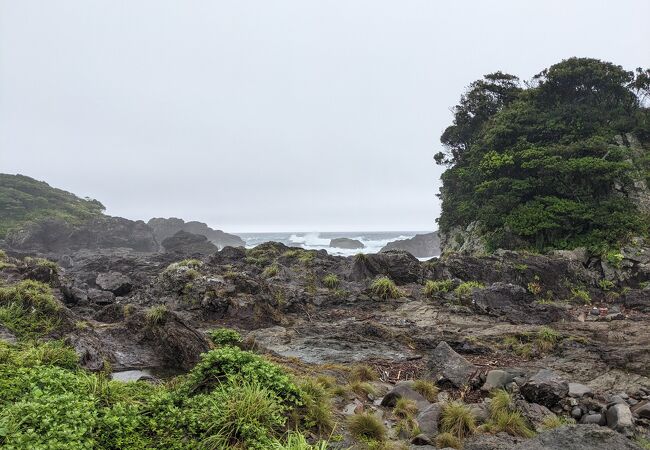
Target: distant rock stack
pixel 420 245
pixel 165 228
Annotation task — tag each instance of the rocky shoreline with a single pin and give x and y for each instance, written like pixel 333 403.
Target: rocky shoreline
pixel 564 334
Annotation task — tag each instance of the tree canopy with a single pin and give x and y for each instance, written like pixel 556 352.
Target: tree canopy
pixel 547 164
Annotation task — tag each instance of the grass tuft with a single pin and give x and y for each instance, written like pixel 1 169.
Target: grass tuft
pixel 444 440
pixel 427 389
pixel 384 287
pixel 432 288
pixel 157 315
pixel 456 418
pixel 366 426
pixel 331 281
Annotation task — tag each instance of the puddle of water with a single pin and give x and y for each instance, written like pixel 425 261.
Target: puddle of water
pixel 130 375
pixel 135 374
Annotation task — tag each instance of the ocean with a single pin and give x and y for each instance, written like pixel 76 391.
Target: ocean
pixel 372 240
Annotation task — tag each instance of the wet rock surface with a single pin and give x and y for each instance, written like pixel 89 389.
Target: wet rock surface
pixel 148 310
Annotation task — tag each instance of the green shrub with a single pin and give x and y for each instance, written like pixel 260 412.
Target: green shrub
pixel 218 365
pixel 614 258
pixel 239 413
pixel 297 441
pixel 385 288
pixel 427 389
pixel 157 315
pixel 444 440
pixel 29 309
pixel 431 287
pixel 366 426
pixel 225 336
pixel 331 281
pixel 466 288
pixel 50 353
pixel 456 418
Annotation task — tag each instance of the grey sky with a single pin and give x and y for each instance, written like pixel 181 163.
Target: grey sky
pixel 270 115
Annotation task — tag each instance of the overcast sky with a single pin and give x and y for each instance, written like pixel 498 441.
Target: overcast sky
pixel 270 115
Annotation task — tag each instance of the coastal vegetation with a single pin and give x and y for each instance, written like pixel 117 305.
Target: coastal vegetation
pixel 24 199
pixel 546 164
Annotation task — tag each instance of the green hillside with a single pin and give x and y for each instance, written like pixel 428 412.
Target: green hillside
pixel 25 199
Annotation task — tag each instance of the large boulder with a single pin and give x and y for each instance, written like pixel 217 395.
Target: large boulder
pixel 421 245
pixel 400 266
pixel 581 437
pixel 619 418
pixel 188 244
pixel 404 390
pixel 449 368
pixel 346 243
pixel 545 388
pixel 429 418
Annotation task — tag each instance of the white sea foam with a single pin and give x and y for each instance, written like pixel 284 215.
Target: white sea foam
pixel 373 241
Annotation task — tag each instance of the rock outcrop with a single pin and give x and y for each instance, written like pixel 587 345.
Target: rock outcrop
pixel 165 228
pixel 346 243
pixel 188 243
pixel 420 245
pixel 56 236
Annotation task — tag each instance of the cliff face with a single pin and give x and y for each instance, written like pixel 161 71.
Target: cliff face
pixel 165 228
pixel 53 235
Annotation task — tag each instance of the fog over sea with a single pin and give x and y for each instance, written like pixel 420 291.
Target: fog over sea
pixel 372 240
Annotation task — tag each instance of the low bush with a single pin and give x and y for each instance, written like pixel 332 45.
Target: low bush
pixel 384 287
pixel 431 287
pixel 405 408
pixel 225 336
pixel 29 309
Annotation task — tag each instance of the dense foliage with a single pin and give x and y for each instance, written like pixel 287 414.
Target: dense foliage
pixel 538 165
pixel 47 402
pixel 231 399
pixel 24 199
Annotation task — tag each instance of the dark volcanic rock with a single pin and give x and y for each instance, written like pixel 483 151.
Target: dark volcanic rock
pixel 164 228
pixel 448 367
pixel 514 304
pixel 400 266
pixel 57 236
pixel 118 283
pixel 545 388
pixel 420 245
pixel 580 437
pixel 188 244
pixel 346 243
